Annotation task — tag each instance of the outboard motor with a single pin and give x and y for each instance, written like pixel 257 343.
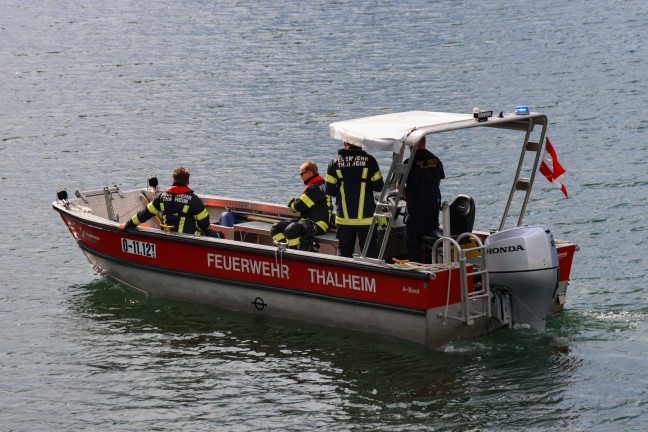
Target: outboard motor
pixel 523 262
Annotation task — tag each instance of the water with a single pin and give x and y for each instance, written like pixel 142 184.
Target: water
pixel 97 93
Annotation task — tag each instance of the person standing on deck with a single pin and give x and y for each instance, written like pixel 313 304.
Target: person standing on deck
pixel 423 196
pixel 351 178
pixel 178 209
pixel 314 208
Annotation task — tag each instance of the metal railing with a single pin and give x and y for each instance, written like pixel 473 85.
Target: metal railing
pixel 459 253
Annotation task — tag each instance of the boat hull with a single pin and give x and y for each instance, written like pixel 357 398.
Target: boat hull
pixel 431 327
pixel 246 272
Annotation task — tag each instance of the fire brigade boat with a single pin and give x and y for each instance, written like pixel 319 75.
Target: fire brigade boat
pixel 474 281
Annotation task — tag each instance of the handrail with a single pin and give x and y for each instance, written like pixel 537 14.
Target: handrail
pixel 466 315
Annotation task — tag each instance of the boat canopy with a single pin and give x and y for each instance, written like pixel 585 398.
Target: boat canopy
pixel 387 132
pixel 393 132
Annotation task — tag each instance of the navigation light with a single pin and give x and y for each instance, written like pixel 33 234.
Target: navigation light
pixel 522 110
pixel 61 195
pixel 153 182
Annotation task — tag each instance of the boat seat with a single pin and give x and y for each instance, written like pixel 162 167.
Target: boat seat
pixel 328 237
pixel 263 228
pixel 228 232
pixel 253 227
pixel 462 220
pixel 462 215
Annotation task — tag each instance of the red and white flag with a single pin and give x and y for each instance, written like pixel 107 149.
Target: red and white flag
pixel 551 168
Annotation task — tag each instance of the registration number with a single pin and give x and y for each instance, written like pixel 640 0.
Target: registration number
pixel 138 248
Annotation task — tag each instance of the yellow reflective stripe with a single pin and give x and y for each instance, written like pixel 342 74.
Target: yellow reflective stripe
pixel 181 225
pixel 329 206
pixel 135 220
pixel 200 216
pixel 152 208
pixel 294 242
pixel 323 225
pixel 376 176
pixel 344 206
pixel 185 209
pixel 339 174
pixel 355 222
pixel 278 237
pixel 306 200
pixel 330 179
pixel 161 206
pixel 363 188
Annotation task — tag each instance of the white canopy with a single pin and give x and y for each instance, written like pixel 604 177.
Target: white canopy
pixel 387 132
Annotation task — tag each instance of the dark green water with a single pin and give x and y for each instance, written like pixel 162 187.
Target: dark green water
pixel 99 93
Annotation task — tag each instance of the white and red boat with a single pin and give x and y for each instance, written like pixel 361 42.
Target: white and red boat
pixel 478 281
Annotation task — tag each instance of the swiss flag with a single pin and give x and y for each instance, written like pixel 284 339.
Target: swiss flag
pixel 551 168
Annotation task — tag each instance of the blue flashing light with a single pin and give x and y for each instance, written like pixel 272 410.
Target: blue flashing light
pixel 522 110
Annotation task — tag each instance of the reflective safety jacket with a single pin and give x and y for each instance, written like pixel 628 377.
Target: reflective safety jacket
pixel 313 204
pixel 179 209
pixel 351 178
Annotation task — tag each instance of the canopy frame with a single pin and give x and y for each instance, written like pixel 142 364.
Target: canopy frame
pixel 398 131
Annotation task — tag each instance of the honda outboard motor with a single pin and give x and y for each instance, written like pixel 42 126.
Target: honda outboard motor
pixel 523 262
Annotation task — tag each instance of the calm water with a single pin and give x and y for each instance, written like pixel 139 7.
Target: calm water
pixel 95 93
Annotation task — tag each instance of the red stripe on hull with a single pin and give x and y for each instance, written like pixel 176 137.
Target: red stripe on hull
pixel 263 266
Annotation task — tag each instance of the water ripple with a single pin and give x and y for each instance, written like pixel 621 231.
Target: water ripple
pixel 105 93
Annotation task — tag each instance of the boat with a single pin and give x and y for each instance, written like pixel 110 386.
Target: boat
pixel 472 281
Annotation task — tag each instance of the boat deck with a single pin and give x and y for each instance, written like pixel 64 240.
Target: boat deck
pixel 259 232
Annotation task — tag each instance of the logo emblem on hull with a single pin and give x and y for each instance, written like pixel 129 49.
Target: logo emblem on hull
pixel 259 304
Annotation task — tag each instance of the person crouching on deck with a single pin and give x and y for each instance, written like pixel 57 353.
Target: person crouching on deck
pixel 178 209
pixel 314 208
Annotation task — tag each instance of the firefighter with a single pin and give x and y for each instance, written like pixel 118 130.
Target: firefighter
pixel 423 197
pixel 351 178
pixel 178 209
pixel 314 208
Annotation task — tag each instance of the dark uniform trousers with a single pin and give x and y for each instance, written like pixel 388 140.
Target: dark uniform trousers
pixel 298 234
pixel 346 236
pixel 422 220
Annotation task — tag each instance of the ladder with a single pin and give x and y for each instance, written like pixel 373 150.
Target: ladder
pixel 532 148
pixel 468 299
pixel 387 205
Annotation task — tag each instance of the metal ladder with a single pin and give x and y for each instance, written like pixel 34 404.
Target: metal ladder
pixel 524 184
pixel 386 209
pixel 468 298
